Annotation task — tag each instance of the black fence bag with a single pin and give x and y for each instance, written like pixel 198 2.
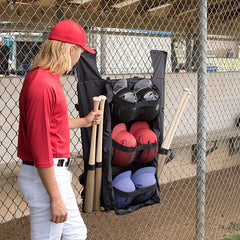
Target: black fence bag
pixel 90 84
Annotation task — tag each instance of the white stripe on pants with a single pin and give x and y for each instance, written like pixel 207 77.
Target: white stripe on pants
pixel 36 196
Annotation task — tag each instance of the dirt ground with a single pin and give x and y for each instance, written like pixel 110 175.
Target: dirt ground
pixel 173 218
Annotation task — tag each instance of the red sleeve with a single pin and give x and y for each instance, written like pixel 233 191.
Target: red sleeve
pixel 39 108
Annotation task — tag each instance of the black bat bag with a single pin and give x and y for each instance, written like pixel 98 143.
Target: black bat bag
pixel 132 132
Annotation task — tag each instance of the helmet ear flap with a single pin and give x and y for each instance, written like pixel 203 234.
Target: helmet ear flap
pixel 144 83
pixel 117 129
pixel 139 124
pixel 151 110
pixel 124 183
pixel 147 94
pixel 125 138
pixel 119 85
pixel 146 136
pixel 142 178
pixel 123 106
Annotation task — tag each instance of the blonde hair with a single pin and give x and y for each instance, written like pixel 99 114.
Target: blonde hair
pixel 55 56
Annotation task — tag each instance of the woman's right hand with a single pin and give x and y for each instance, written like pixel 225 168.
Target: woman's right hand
pixel 59 211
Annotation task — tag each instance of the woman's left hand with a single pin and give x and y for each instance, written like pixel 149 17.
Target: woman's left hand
pixel 93 118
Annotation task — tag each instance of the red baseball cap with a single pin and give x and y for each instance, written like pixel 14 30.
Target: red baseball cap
pixel 70 32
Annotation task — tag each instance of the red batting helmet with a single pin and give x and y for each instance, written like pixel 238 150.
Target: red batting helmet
pixel 125 138
pixel 117 129
pixel 146 136
pixel 140 124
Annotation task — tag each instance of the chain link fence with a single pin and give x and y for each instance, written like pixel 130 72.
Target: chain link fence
pixel 200 191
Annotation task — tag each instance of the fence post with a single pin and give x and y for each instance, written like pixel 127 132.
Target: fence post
pixel 201 119
pixel 189 49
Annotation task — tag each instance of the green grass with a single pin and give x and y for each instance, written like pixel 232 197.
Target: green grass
pixel 232 236
pixel 229 236
pixel 225 64
pixel 222 64
pixel 231 227
pixel 232 231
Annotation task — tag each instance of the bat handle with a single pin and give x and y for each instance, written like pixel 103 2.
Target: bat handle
pixel 100 130
pixel 96 101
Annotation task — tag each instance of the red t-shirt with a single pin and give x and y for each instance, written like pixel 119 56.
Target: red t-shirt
pixel 43 127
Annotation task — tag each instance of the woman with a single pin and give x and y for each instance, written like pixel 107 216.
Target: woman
pixel 44 137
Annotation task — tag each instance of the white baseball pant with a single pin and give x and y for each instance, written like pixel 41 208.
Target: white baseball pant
pixel 36 196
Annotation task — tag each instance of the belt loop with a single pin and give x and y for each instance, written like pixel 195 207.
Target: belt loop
pixel 60 162
pixel 67 162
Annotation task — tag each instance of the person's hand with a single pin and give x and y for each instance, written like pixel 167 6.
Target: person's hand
pixel 59 211
pixel 93 118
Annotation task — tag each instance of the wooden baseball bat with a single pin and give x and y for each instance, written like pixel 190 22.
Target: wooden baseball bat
pixel 171 131
pixel 90 179
pixel 98 173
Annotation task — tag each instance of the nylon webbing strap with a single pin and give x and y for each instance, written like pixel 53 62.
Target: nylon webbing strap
pixel 133 149
pixel 138 192
pixel 163 151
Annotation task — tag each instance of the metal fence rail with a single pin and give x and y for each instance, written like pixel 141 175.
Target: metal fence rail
pixel 200 191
